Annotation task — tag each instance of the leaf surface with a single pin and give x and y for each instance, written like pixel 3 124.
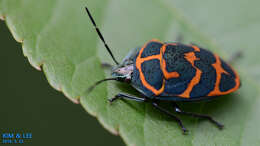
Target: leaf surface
pixel 57 37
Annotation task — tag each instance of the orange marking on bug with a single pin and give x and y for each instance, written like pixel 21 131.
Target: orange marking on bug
pixel 163 48
pixel 139 62
pixel 219 71
pixel 195 48
pixel 167 75
pixel 151 57
pixel 190 56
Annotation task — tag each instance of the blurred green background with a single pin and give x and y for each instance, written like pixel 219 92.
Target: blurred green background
pixel 29 104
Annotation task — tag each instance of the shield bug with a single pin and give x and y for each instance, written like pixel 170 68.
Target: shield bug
pixel 172 72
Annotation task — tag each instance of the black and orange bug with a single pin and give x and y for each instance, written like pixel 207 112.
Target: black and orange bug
pixel 172 72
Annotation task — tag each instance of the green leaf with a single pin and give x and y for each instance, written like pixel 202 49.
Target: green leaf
pixel 57 37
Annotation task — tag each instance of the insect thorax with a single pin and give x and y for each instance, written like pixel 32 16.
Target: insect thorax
pixel 125 69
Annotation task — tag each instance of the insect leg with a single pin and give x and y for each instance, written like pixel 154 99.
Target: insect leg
pixel 126 96
pixel 234 57
pixel 179 38
pixel 207 117
pixel 106 66
pixel 194 44
pixel 171 115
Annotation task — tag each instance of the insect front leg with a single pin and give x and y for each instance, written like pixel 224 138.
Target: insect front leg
pixel 126 96
pixel 202 116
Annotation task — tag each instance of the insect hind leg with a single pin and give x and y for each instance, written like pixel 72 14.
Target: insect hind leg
pixel 202 116
pixel 106 65
pixel 179 38
pixel 235 56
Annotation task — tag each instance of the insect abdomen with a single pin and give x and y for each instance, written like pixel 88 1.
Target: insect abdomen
pixel 182 71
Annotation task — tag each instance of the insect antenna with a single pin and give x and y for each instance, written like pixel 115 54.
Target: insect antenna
pixel 101 36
